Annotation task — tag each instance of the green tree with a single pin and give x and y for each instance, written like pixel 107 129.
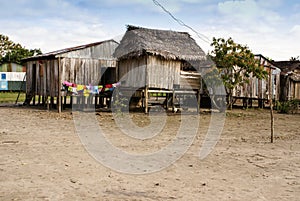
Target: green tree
pixel 236 64
pixel 14 52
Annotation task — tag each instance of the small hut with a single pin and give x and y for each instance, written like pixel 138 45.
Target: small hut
pixel 259 90
pixel 81 65
pixel 160 62
pixel 289 80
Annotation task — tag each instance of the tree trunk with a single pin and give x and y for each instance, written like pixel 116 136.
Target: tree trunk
pixel 229 100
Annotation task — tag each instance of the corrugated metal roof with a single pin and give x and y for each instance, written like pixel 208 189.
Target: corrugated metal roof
pixel 66 50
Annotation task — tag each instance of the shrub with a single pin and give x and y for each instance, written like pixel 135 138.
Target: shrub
pixel 288 107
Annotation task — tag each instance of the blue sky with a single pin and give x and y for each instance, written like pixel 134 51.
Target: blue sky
pixel 268 27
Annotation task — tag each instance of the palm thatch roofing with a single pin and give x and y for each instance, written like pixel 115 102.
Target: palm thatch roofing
pixel 171 45
pixel 290 68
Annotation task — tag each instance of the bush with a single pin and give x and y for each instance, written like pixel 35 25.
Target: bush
pixel 288 107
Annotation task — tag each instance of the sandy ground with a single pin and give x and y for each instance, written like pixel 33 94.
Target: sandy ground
pixel 42 158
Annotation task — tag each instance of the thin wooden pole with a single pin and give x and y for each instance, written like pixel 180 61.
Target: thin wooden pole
pixel 271 105
pixel 59 92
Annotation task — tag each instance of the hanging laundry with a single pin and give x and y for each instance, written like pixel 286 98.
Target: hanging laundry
pixel 69 84
pixel 95 90
pixel 108 86
pixel 80 88
pixel 86 92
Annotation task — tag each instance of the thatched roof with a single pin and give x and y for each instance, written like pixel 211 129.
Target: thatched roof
pixel 287 66
pixel 173 45
pixel 290 68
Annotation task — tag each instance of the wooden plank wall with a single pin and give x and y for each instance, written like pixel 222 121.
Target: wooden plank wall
pixel 156 73
pixel 132 72
pixel 190 80
pixel 163 74
pixel 46 77
pixel 79 71
pixel 259 89
pixel 294 90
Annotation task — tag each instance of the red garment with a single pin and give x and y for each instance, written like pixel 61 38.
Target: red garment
pixel 108 86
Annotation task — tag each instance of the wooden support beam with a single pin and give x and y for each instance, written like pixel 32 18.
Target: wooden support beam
pixel 146 100
pixel 33 101
pixel 198 101
pixel 39 100
pixel 173 101
pixel 71 101
pixel 65 102
pixel 52 101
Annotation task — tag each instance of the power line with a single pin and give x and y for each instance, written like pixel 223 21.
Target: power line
pixel 180 22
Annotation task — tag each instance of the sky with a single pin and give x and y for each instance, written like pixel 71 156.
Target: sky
pixel 267 27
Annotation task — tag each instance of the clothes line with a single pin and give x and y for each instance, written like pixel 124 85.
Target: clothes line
pixel 86 90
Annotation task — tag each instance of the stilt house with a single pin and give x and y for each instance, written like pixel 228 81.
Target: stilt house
pixel 259 90
pixel 81 65
pixel 159 61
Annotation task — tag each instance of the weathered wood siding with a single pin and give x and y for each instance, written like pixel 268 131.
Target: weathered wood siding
pixel 161 73
pixel 132 72
pixel 156 72
pixel 45 79
pixel 190 80
pixel 103 51
pixel 294 90
pixel 260 89
pixel 83 71
pixel 80 67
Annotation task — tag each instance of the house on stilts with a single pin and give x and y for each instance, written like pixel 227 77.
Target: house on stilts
pixel 160 67
pixel 91 64
pixel 260 90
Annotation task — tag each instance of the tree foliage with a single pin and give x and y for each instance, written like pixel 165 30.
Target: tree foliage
pixel 297 58
pixel 14 52
pixel 236 64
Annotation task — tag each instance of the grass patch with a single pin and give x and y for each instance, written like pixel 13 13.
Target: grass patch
pixel 11 97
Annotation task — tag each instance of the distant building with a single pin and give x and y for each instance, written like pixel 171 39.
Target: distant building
pixel 290 80
pixel 12 77
pixel 259 89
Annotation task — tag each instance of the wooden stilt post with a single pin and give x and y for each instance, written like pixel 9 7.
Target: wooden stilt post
pixel 198 101
pixel 71 101
pixel 52 101
pixel 39 100
pixel 65 102
pixel 173 100
pixel 146 100
pixel 33 101
pixel 48 105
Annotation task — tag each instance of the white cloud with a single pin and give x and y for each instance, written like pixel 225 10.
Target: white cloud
pixel 242 12
pixel 296 31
